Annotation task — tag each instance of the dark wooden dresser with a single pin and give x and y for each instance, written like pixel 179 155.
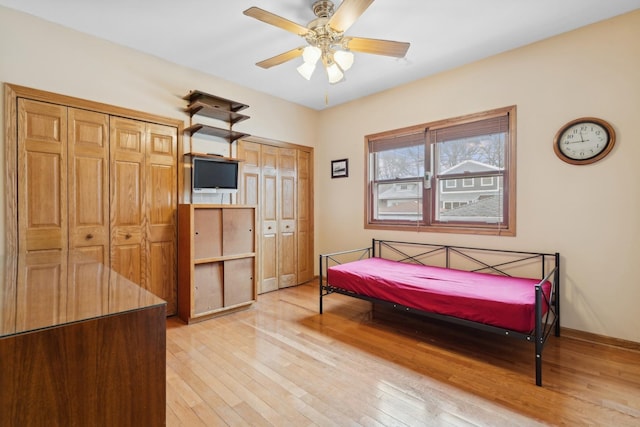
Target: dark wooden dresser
pixel 79 345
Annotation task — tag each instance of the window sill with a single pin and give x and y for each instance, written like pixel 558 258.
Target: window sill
pixel 440 228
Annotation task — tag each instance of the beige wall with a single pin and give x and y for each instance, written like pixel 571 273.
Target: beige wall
pixel 45 56
pixel 590 214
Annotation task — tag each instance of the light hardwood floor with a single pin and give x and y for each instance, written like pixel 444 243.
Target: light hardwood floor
pixel 281 363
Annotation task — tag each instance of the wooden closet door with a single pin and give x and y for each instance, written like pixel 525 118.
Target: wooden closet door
pixel 280 180
pixel 88 149
pixel 42 176
pixel 127 158
pixel 249 189
pixel 304 219
pixel 162 199
pixel 64 179
pixel 269 209
pixel 41 291
pixel 250 154
pixel 86 291
pixel 287 252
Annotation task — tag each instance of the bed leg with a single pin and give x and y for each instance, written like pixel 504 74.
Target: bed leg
pixel 320 282
pixel 539 335
pixel 557 300
pixel 538 364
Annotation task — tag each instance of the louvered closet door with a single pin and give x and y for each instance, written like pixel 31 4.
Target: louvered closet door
pixel 287 245
pixel 128 245
pixel 161 172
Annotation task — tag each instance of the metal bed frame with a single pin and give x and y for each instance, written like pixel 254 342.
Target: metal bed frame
pixel 544 323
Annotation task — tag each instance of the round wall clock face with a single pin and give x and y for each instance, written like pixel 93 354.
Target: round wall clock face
pixel 583 141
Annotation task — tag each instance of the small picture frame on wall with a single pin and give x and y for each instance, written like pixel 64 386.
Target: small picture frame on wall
pixel 340 168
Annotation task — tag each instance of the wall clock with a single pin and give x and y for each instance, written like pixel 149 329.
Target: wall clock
pixel 584 141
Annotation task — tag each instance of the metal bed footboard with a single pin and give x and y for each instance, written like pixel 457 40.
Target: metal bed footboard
pixel 546 321
pixel 336 258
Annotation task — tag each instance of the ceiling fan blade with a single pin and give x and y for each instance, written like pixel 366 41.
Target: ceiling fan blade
pixel 376 47
pixel 282 58
pixel 278 21
pixel 347 13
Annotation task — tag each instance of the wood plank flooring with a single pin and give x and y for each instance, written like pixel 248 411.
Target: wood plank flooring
pixel 281 363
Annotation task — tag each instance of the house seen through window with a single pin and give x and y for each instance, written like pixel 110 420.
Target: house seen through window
pixel 455 175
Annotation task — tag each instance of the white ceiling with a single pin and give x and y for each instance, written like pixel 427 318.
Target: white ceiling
pixel 213 36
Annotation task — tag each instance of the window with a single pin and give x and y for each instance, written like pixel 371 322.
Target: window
pixel 486 181
pixel 398 174
pixel 455 175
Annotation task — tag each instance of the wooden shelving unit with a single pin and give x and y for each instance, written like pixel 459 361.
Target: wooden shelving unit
pixel 215 112
pixel 213 156
pixel 228 134
pixel 217 260
pixel 214 101
pixel 215 107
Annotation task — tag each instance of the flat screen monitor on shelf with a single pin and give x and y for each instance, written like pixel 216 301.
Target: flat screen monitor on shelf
pixel 214 175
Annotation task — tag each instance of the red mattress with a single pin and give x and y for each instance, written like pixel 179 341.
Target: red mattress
pixel 505 302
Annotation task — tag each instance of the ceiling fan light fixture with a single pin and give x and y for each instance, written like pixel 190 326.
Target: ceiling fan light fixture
pixel 344 59
pixel 311 54
pixel 325 38
pixel 306 70
pixel 333 73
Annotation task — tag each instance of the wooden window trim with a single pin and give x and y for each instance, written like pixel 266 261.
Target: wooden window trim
pixel 509 191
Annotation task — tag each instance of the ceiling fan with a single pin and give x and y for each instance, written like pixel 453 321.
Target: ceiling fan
pixel 326 40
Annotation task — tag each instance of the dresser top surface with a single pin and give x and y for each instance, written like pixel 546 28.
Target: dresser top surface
pixel 44 290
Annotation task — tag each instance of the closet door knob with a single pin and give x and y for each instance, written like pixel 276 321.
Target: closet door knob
pixel 127 236
pixel 89 236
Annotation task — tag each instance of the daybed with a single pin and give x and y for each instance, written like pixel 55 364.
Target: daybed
pixel 512 293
